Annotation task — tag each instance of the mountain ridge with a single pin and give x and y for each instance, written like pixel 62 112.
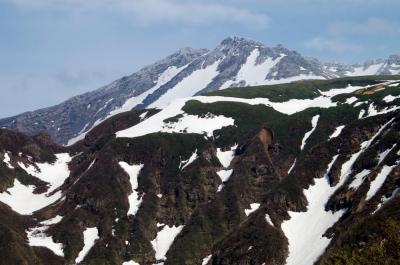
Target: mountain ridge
pixel 236 61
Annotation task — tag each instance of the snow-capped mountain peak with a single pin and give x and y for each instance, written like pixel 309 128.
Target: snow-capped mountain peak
pixel 235 62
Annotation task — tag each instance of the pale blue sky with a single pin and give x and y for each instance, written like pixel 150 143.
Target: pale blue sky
pixel 51 50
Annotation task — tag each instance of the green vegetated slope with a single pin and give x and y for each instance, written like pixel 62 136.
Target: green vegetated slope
pixel 213 216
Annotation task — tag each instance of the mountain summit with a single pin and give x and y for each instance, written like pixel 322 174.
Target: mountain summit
pixel 235 62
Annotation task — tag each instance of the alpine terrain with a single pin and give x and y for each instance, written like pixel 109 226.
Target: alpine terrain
pixel 215 165
pixel 236 62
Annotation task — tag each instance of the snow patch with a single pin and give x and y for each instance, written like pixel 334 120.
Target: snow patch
pixel 226 157
pixel 90 235
pixel 133 198
pixel 362 112
pixel 130 263
pixel 253 207
pixel 294 79
pixel 292 166
pixel 37 236
pixel 351 100
pixel 337 132
pixel 206 260
pixel 164 239
pixel 187 162
pixel 224 175
pixel 268 219
pixel 390 98
pixel 385 199
pixel 52 221
pixel 143 115
pixel 7 160
pixel 54 174
pixel 359 103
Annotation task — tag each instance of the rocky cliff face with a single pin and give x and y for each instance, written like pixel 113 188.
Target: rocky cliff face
pixel 287 174
pixel 236 62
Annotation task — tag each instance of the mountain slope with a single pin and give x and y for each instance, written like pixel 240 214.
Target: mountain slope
pixel 236 62
pixel 285 174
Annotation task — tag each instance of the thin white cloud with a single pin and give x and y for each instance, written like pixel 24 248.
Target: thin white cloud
pixel 158 11
pixel 372 26
pixel 340 35
pixel 332 45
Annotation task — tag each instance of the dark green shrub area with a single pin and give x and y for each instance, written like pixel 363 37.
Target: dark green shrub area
pixel 375 240
pixel 288 130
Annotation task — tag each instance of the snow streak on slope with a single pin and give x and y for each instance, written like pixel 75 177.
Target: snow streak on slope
pixel 132 102
pixel 206 260
pixel 268 219
pixel 133 198
pixel 314 122
pixel 304 230
pixel 347 166
pixel 337 132
pixel 377 183
pixel 187 162
pixel 292 166
pixel 382 156
pixel 164 78
pixel 189 86
pixel 164 239
pixel 90 235
pixel 359 179
pixel 294 79
pixel 255 74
